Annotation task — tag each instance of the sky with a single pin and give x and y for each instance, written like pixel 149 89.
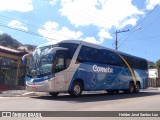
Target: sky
pixel 39 21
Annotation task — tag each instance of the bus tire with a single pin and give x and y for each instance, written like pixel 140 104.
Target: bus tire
pixel 116 91
pixel 137 89
pixel 131 88
pixel 76 89
pixel 112 91
pixel 53 94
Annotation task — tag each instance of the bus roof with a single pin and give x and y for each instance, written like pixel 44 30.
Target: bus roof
pixel 86 44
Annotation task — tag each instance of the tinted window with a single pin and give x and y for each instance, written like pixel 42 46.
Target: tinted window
pixel 59 62
pixel 70 52
pixel 143 64
pixel 87 54
pixel 71 48
pixel 109 57
pixel 136 63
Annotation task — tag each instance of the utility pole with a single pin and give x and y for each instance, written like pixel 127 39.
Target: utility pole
pixel 116 41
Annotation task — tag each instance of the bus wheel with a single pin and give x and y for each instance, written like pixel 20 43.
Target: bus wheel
pixel 137 89
pixel 76 89
pixel 116 91
pixel 110 91
pixel 53 94
pixel 131 88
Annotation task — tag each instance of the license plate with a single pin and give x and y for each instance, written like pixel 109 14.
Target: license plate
pixel 34 88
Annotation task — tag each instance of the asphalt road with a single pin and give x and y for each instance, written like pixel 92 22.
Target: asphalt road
pixel 148 100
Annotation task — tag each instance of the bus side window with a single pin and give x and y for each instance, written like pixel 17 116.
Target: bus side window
pixel 87 54
pixel 109 57
pixel 68 62
pixel 81 56
pixel 60 62
pixel 70 52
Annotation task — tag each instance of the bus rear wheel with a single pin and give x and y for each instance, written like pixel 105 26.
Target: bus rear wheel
pixel 131 88
pixel 76 89
pixel 137 89
pixel 53 94
pixel 112 91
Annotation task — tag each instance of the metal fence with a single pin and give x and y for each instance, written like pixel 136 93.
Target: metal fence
pixel 11 76
pixel 154 82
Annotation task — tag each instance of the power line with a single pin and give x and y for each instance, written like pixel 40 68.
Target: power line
pixel 28 32
pixel 137 25
pixel 145 28
pixel 37 19
pixel 116 41
pixel 129 36
pixel 35 27
pixel 145 38
pixel 153 21
pixel 156 19
pixel 97 18
pixel 150 12
pixel 42 18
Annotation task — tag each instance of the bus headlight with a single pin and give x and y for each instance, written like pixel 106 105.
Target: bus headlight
pixel 46 81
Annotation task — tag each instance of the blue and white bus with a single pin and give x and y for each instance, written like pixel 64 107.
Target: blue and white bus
pixel 74 66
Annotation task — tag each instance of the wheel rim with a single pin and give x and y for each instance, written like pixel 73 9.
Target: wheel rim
pixel 137 88
pixel 77 89
pixel 131 88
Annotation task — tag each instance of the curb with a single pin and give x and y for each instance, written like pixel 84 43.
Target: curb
pixel 153 88
pixel 12 93
pixel 21 93
pixel 28 94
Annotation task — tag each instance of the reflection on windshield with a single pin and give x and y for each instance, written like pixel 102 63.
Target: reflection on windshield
pixel 41 62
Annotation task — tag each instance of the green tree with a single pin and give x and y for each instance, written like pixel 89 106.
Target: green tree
pixel 158 63
pixel 151 64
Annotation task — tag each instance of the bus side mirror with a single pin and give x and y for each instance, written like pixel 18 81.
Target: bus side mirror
pixel 53 50
pixel 23 61
pixel 26 56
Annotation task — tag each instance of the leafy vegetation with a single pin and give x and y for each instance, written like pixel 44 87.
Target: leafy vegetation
pixel 7 41
pixel 158 63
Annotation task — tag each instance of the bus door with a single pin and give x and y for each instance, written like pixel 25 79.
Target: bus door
pixel 59 67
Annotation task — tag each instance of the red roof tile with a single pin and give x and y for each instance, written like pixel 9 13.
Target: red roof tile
pixel 11 51
pixel 8 49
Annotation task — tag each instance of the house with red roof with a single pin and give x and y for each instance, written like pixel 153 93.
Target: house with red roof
pixel 11 68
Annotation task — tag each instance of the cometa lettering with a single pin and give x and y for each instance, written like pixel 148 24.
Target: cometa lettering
pixel 102 69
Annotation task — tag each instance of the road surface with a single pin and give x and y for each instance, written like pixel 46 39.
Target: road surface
pixel 146 100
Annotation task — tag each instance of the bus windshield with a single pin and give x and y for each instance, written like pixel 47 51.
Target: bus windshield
pixel 41 62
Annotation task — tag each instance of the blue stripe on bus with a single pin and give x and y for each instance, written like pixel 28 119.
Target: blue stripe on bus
pixel 102 80
pixel 40 79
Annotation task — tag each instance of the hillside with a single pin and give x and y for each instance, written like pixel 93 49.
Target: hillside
pixel 7 41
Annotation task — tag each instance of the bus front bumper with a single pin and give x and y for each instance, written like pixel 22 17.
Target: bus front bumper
pixel 37 87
